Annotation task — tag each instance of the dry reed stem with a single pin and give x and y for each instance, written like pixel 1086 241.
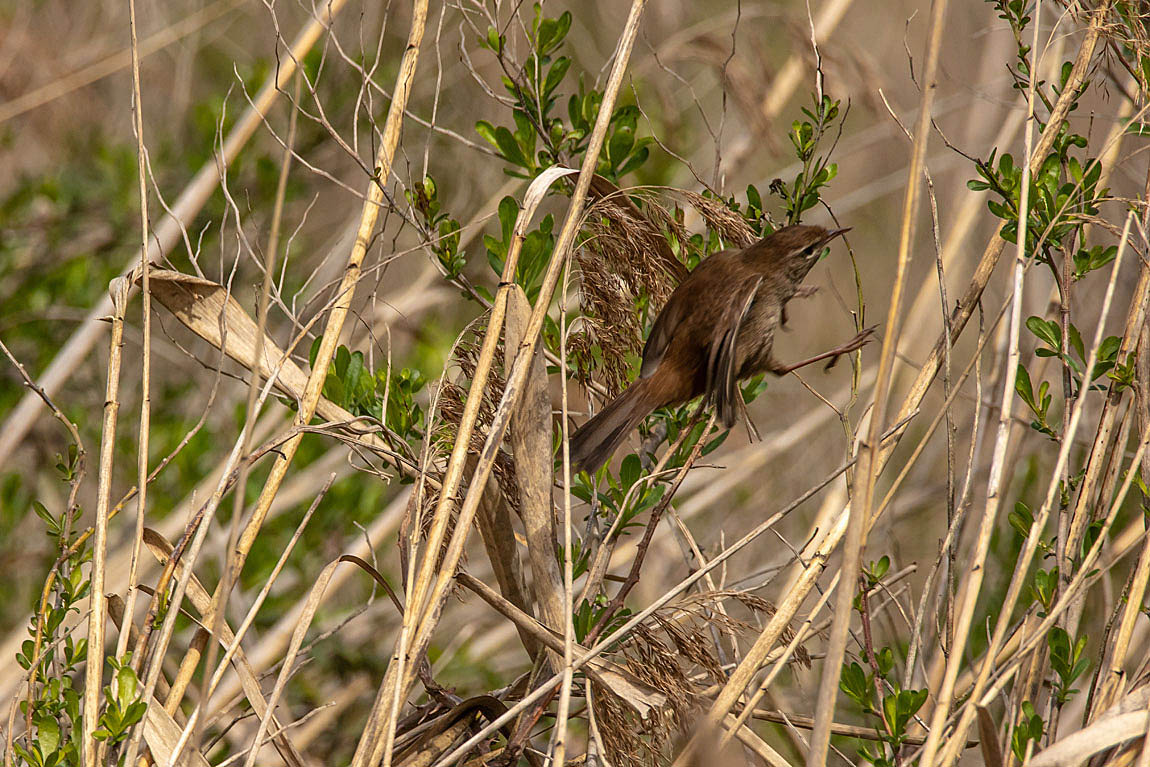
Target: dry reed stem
pixel 390 695
pixel 187 668
pixel 563 712
pixel 869 466
pixel 145 329
pixel 1112 679
pixel 168 232
pixel 968 595
pixel 93 676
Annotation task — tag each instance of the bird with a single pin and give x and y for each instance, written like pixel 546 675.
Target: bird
pixel 717 327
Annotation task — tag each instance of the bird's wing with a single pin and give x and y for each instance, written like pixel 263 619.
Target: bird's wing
pixel 675 311
pixel 660 338
pixel 723 357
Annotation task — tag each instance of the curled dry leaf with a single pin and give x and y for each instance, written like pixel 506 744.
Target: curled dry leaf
pixel 210 311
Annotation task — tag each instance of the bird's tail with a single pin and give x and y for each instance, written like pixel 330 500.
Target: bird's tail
pixel 594 442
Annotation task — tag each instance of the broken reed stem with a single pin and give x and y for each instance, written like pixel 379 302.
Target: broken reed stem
pixel 93 674
pixel 866 474
pixel 531 442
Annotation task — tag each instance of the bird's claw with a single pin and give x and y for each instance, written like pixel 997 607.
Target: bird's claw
pixel 856 343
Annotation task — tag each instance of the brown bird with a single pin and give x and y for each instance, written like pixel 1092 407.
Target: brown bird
pixel 717 328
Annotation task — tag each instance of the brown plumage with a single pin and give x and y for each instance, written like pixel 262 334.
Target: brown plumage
pixel 717 327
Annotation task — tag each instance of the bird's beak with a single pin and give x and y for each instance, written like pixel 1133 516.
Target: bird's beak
pixel 835 233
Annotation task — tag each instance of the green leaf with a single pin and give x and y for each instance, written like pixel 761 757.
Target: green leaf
pixel 494 40
pixel 1023 386
pixel 43 513
pixel 508 212
pixel 134 713
pixel 555 75
pixel 634 162
pixel 47 733
pixel 630 471
pixel 487 131
pixel 1021 519
pixel 714 444
pixel 125 685
pixel 1047 331
pixel 885 660
pixel 510 148
pixel 853 682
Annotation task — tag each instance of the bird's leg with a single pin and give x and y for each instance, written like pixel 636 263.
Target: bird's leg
pixel 859 341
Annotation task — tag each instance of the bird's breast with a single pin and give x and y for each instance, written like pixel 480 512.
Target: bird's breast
pixel 757 335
